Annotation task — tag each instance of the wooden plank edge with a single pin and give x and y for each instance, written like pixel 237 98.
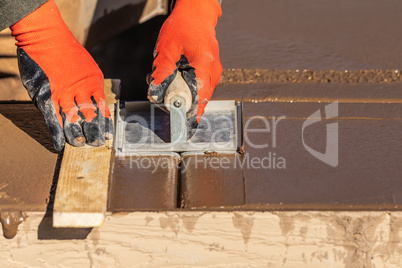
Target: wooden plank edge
pixel 68 219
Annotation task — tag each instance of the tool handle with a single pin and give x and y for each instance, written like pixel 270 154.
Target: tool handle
pixel 178 87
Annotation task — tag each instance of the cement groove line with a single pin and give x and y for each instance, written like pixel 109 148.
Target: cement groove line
pixel 254 76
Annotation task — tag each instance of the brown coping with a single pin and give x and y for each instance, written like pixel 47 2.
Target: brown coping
pixel 148 182
pixel 283 174
pixel 370 153
pixel 211 180
pixel 367 176
pixel 275 35
pixel 364 175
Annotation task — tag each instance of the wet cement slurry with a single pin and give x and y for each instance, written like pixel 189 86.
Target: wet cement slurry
pixel 10 221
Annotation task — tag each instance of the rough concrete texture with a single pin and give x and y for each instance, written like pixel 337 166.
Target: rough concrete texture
pixel 211 180
pixel 143 182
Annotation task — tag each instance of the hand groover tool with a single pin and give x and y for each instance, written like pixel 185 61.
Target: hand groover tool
pixel 145 128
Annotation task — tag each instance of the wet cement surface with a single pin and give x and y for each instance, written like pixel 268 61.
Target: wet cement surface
pixel 317 34
pixel 148 182
pixel 27 166
pixel 365 170
pixel 350 160
pixel 300 155
pixel 279 37
pixel 367 177
pixel 323 36
pixel 211 180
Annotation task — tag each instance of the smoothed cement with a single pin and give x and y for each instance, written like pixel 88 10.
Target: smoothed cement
pixel 27 168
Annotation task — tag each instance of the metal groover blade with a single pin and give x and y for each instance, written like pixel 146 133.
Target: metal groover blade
pixel 178 124
pixel 142 128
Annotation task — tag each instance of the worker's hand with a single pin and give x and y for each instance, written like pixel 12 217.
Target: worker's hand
pixel 62 79
pixel 187 41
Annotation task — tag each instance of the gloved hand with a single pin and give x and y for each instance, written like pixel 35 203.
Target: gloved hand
pixel 62 79
pixel 187 41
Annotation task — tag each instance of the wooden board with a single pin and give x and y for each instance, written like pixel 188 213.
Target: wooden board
pixel 212 239
pixel 81 193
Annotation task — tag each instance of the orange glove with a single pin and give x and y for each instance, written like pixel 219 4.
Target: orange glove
pixel 187 41
pixel 62 79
